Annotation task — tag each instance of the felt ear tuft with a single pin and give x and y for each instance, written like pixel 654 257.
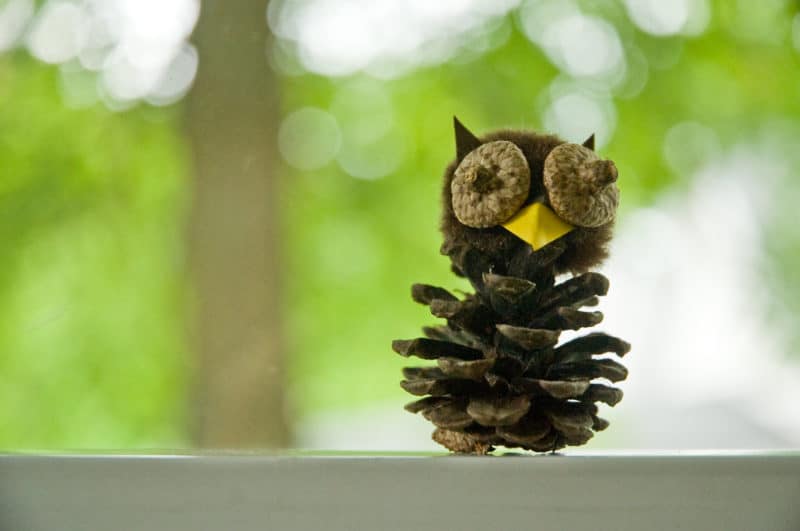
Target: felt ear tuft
pixel 589 142
pixel 465 140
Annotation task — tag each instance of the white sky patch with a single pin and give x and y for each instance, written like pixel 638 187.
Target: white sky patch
pixel 58 33
pixel 583 46
pixel 341 37
pixel 139 47
pixel 589 46
pixel 177 78
pixel 580 45
pixel 123 80
pixel 687 293
pixel 14 16
pixel 669 17
pixel 381 427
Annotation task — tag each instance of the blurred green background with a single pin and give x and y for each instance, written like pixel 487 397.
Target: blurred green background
pixel 96 180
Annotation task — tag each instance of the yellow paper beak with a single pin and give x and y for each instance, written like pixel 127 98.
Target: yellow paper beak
pixel 537 225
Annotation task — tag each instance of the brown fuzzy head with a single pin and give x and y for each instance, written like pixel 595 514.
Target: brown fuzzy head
pixel 585 247
pixel 581 188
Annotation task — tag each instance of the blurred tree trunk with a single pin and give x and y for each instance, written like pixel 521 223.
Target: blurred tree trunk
pixel 238 393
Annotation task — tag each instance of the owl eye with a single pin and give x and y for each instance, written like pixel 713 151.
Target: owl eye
pixel 490 184
pixel 580 186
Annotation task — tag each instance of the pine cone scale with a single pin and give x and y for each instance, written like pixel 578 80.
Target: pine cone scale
pixel 436 387
pixel 451 415
pixel 602 393
pixel 530 430
pixel 581 287
pixel 498 411
pixel 591 344
pixel 604 368
pixel 418 406
pixel 424 294
pixel 469 370
pixel 529 338
pixel 431 349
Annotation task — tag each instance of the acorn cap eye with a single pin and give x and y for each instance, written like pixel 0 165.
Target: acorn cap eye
pixel 490 184
pixel 580 186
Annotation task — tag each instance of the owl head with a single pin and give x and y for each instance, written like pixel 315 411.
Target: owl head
pixel 493 180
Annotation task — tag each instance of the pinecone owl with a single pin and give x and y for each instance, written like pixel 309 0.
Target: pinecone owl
pixel 519 209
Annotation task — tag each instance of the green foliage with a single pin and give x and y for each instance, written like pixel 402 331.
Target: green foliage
pixel 91 204
pixel 92 316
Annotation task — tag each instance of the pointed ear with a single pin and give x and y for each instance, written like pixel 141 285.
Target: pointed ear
pixel 465 141
pixel 589 142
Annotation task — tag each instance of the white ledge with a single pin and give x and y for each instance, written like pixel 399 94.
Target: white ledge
pixel 733 491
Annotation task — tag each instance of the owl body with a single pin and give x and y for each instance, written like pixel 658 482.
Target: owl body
pixel 576 252
pixel 503 377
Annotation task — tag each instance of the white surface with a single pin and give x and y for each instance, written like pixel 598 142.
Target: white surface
pixel 703 492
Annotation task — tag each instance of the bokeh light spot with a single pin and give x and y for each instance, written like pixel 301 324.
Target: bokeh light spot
pixel 796 32
pixel 124 81
pixel 177 78
pixel 584 45
pixel 341 37
pixel 58 33
pixel 536 16
pixel 688 146
pixel 14 15
pixel 699 18
pixel 366 116
pixel 138 47
pixel 574 115
pixel 580 45
pixel 372 158
pixel 309 138
pixel 637 75
pixel 363 110
pixel 662 18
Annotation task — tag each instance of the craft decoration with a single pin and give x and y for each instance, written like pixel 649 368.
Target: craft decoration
pixel 519 209
pixel 580 186
pixel 537 225
pixel 490 184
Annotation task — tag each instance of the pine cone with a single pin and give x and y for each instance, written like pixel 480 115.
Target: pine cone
pixel 501 378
